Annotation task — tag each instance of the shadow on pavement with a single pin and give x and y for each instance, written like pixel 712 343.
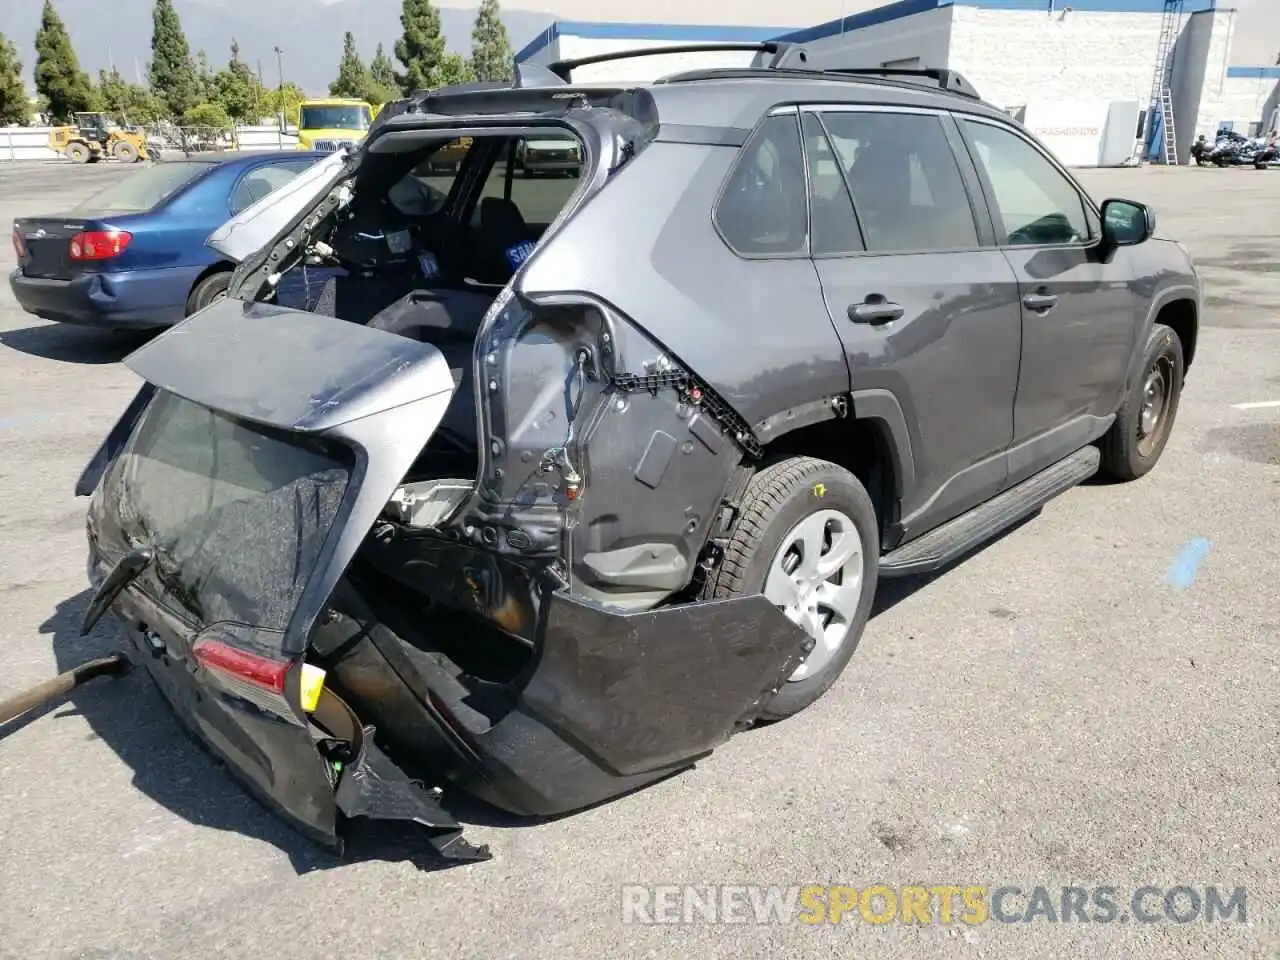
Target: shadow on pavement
pixel 170 767
pixel 72 344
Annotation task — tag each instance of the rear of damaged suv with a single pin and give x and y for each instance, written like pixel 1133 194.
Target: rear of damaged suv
pixel 421 483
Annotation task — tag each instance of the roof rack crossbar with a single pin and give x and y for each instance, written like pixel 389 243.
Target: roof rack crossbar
pixel 562 68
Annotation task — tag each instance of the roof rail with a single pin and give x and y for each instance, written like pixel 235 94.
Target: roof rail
pixel 779 51
pixel 947 80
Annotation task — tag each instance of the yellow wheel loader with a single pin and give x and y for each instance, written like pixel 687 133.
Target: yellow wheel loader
pixel 93 137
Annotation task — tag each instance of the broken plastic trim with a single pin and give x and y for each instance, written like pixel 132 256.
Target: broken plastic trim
pixel 426 504
pixel 690 388
pixel 371 786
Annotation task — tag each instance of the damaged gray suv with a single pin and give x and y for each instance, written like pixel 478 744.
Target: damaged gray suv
pixel 544 488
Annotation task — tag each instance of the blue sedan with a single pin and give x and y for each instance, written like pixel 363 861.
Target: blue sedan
pixel 134 256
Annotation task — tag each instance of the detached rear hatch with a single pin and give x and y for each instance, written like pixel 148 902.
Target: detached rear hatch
pixel 239 485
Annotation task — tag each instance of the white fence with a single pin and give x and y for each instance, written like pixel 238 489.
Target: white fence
pixel 32 143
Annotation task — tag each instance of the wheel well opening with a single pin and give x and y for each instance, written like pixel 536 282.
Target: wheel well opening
pixel 1180 317
pixel 860 446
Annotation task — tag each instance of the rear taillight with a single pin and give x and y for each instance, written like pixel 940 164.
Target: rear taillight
pixel 256 678
pixel 19 247
pixel 262 671
pixel 248 676
pixel 99 244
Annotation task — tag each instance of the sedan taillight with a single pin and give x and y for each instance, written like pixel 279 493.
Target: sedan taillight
pixel 99 244
pixel 19 247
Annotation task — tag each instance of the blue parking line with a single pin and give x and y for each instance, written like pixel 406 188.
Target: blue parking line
pixel 1183 572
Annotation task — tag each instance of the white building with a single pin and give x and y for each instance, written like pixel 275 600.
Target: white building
pixel 1077 72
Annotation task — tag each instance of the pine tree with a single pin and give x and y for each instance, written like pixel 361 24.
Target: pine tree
pixel 173 75
pixel 14 105
pixel 354 78
pixel 206 79
pixel 383 72
pixel 421 50
pixel 236 88
pixel 491 57
pixel 59 78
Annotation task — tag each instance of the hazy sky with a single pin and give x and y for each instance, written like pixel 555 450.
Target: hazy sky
pixel 1257 34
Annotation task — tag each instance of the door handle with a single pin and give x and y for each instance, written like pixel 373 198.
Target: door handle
pixel 1040 302
pixel 875 311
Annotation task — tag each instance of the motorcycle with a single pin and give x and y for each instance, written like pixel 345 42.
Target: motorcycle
pixel 1228 150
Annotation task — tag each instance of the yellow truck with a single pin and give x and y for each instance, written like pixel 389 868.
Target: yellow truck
pixel 330 123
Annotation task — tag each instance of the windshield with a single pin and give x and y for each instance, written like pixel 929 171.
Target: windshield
pixel 335 118
pixel 145 189
pixel 237 515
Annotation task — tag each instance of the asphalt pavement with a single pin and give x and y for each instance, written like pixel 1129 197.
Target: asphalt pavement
pixel 1089 702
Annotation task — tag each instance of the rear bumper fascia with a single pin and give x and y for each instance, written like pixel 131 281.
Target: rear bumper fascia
pixel 134 300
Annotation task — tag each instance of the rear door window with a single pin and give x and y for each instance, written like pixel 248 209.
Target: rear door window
pixel 263 181
pixel 834 225
pixel 907 187
pixel 425 189
pixel 763 211
pixel 535 176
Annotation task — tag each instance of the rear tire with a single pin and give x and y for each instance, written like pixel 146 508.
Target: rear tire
pixel 78 153
pixel 1144 421
pixel 207 291
pixel 805 529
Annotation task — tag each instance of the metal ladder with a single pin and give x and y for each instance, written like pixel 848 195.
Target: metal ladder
pixel 1161 93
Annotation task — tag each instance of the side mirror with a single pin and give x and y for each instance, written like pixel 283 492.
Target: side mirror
pixel 1127 222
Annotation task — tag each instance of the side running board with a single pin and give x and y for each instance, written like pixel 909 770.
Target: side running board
pixel 953 539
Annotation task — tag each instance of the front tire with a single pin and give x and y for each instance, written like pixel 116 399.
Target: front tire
pixel 808 539
pixel 1144 421
pixel 78 153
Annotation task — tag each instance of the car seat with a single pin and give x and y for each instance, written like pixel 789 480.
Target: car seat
pixel 449 320
pixel 501 228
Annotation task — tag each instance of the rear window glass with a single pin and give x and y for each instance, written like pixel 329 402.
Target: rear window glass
pixel 237 515
pixel 535 176
pixel 262 182
pixel 144 189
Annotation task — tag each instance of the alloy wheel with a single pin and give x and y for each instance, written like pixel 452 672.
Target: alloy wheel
pixel 816 577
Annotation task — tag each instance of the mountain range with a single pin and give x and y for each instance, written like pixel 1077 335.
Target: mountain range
pixel 310 34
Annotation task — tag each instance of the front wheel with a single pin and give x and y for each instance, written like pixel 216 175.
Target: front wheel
pixel 807 538
pixel 1136 440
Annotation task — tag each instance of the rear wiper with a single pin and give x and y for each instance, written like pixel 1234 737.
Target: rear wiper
pixel 121 575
